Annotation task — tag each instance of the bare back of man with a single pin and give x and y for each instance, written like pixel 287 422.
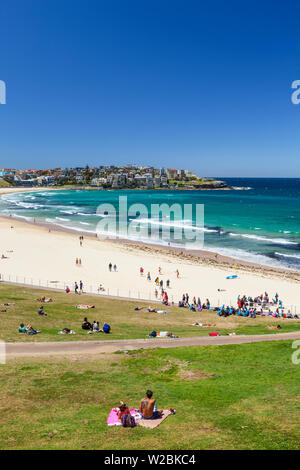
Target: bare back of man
pixel 147 407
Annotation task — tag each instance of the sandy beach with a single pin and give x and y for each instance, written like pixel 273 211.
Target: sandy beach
pixel 37 253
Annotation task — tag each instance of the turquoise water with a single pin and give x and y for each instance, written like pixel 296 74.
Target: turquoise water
pixel 260 224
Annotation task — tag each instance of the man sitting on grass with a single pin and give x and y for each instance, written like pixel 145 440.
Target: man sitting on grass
pixel 27 330
pixel 148 407
pixel 86 325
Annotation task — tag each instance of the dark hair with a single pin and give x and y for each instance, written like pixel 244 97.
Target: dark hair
pixel 149 393
pixel 21 325
pixel 123 407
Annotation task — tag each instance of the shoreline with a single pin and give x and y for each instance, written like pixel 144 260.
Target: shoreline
pixel 199 257
pixel 202 257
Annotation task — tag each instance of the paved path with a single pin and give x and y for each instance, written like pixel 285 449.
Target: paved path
pixel 110 346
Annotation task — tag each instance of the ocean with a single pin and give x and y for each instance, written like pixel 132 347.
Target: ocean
pixel 260 224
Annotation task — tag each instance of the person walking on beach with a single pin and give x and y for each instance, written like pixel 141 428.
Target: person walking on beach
pixel 76 288
pixel 156 293
pixel 81 286
pixel 115 267
pixel 110 266
pixel 168 283
pixel 148 277
pixel 76 261
pixel 177 273
pixel 159 270
pixel 141 271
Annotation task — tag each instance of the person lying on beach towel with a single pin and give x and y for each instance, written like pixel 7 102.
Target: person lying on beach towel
pixel 43 299
pixel 7 305
pixel 277 327
pixel 84 307
pixel 138 308
pixel 154 310
pixel 165 334
pixel 203 324
pixel 66 331
pixel 214 334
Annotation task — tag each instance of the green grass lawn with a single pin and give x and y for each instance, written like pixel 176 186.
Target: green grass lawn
pixel 226 397
pixel 120 314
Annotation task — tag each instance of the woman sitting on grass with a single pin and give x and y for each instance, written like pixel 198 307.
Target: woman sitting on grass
pixel 123 410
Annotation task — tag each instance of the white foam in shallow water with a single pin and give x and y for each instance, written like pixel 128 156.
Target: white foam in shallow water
pixel 244 256
pixel 280 241
pixel 287 255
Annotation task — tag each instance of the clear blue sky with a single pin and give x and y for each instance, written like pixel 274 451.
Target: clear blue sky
pixel 199 85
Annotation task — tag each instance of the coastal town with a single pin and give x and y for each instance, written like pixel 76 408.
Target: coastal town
pixel 109 177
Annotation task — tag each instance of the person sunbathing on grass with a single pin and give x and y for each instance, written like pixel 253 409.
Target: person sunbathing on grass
pixel 148 407
pixel 151 309
pixel 66 331
pixel 84 307
pixel 43 299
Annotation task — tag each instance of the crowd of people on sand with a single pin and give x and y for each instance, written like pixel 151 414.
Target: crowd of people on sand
pixel 159 284
pixel 262 305
pixel 250 307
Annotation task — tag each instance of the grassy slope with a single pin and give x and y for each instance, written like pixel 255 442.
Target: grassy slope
pixel 125 322
pixel 234 397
